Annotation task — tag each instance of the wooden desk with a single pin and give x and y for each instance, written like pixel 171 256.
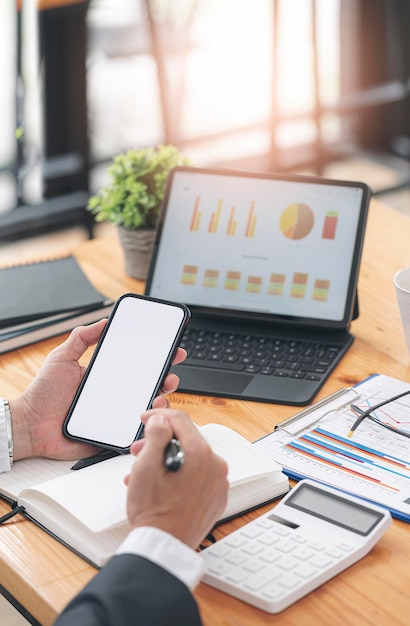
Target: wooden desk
pixel 43 576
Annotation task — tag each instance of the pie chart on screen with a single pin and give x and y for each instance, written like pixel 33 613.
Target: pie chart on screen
pixel 297 221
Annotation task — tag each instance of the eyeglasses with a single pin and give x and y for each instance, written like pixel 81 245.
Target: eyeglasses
pixel 368 413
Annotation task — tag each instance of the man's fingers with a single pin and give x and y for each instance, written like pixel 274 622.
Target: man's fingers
pixel 79 340
pixel 157 435
pixel 181 425
pixel 171 383
pixel 180 356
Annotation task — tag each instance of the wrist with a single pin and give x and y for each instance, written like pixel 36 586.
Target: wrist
pixel 167 551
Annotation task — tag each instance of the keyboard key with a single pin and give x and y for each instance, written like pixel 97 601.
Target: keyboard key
pixel 237 367
pixel 252 369
pixel 253 354
pixel 298 374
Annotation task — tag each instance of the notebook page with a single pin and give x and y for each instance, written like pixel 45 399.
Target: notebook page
pixel 244 461
pixel 247 495
pixel 95 495
pixel 31 472
pixel 97 547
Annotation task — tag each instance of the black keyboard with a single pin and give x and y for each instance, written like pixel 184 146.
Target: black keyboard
pixel 256 354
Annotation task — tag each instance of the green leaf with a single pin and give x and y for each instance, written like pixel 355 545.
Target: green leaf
pixel 137 185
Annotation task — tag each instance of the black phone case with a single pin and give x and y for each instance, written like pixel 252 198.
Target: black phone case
pixel 165 370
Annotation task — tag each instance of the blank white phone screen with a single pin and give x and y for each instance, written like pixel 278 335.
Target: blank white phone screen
pixel 125 372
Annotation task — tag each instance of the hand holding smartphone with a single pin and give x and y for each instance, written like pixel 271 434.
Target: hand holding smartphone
pixel 126 371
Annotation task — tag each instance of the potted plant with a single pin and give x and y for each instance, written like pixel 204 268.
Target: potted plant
pixel 132 200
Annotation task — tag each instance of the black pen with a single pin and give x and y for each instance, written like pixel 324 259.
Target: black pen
pixel 97 458
pixel 174 457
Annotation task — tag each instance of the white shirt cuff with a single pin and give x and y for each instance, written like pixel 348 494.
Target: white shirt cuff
pixel 166 551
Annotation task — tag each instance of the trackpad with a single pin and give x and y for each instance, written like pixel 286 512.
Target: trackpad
pixel 203 380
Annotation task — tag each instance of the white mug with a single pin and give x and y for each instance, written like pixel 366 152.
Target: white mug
pixel 402 285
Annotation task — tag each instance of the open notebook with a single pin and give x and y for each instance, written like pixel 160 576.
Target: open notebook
pixel 86 509
pixel 268 266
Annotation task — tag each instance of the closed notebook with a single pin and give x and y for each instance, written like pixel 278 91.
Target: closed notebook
pixel 36 290
pixel 18 336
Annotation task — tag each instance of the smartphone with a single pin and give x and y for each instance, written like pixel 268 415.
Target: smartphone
pixel 126 371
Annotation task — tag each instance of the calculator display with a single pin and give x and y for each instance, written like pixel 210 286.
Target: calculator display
pixel 333 508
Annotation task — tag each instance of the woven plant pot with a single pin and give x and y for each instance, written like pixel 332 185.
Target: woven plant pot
pixel 137 246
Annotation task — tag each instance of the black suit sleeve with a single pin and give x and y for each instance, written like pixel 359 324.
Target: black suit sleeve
pixel 131 590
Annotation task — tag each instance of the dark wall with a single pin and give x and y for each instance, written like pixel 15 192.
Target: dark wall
pixel 381 32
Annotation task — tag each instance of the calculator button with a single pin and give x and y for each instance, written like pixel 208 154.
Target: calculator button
pixel 235 541
pixel 285 546
pixel 287 563
pixel 268 539
pixel 270 556
pixel 299 538
pixel 281 530
pixel 252 548
pixel 220 568
pixel 254 565
pixel 315 545
pixel 235 557
pixel 346 547
pixel 257 581
pixel 237 575
pixel 303 554
pixel 251 531
pixel 334 553
pixel 273 591
pixel 321 561
pixel 218 553
pixel 289 581
pixel 264 522
pixel 306 571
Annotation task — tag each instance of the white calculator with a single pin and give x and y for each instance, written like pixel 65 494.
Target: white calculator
pixel 314 533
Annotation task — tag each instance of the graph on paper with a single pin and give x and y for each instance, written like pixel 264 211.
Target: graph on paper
pixel 374 463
